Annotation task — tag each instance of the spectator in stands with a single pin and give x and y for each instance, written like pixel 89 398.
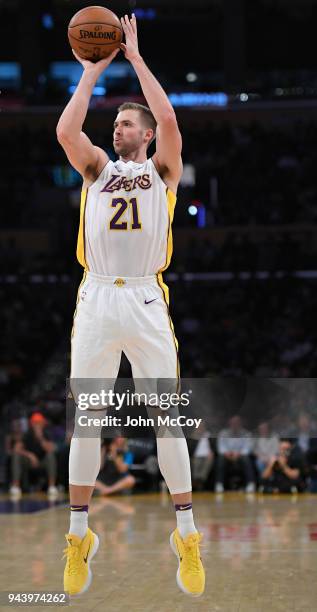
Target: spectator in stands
pixel 201 457
pixel 265 446
pixel 306 436
pixel 114 475
pixel 305 432
pixel 14 435
pixel 284 472
pixel 234 446
pixel 34 452
pixel 63 460
pixel 145 463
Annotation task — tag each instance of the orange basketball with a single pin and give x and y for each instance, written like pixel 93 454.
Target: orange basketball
pixel 94 32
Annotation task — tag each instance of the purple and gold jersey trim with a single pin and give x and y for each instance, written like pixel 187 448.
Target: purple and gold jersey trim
pixel 171 201
pixel 81 232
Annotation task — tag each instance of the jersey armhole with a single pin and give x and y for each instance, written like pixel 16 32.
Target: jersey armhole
pixel 166 187
pixel 99 175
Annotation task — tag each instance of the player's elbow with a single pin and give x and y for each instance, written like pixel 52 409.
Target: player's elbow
pixel 168 118
pixel 61 135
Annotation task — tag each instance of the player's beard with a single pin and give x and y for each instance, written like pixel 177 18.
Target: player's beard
pixel 124 149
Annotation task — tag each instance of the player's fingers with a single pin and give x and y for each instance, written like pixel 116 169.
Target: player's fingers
pixel 123 47
pixel 134 23
pixel 104 63
pixel 77 56
pixel 130 27
pixel 124 27
pixel 127 30
pixel 128 24
pixel 110 57
pixel 113 54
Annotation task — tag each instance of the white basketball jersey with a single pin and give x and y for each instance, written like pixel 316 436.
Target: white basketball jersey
pixel 125 221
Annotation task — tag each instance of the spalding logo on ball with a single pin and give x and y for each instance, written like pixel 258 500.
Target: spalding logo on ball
pixel 94 33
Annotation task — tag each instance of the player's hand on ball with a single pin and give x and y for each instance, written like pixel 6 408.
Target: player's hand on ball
pixel 130 47
pixel 96 68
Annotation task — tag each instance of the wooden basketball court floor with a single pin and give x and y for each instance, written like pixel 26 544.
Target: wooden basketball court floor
pixel 260 554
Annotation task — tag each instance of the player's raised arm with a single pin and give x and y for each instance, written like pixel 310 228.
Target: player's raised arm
pixel 82 154
pixel 168 137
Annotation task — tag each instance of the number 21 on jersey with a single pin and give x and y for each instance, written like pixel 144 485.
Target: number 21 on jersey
pixel 122 205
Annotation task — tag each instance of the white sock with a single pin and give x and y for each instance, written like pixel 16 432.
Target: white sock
pixel 78 523
pixel 185 522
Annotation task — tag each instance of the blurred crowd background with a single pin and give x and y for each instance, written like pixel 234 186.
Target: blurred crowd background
pixel 243 277
pixel 37 449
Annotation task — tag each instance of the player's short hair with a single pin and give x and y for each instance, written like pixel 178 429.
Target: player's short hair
pixel 146 115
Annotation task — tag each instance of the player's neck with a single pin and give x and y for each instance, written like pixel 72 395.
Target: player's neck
pixel 138 157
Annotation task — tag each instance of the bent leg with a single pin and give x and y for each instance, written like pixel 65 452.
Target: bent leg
pixel 127 482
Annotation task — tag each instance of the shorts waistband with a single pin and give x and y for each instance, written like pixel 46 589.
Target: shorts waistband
pixel 123 281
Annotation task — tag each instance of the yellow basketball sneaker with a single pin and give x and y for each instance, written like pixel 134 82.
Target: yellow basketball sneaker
pixel 190 575
pixel 77 573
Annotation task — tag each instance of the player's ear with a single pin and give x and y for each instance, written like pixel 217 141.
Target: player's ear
pixel 149 134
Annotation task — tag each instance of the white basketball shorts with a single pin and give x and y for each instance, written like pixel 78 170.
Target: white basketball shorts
pixel 122 314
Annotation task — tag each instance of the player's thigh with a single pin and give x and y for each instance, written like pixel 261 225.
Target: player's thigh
pixel 153 352
pixel 95 351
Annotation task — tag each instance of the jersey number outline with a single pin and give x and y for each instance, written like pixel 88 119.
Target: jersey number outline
pixel 123 205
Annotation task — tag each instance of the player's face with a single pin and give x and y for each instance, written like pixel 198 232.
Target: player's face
pixel 128 132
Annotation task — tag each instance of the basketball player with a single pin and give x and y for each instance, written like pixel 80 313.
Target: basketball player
pixel 124 244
